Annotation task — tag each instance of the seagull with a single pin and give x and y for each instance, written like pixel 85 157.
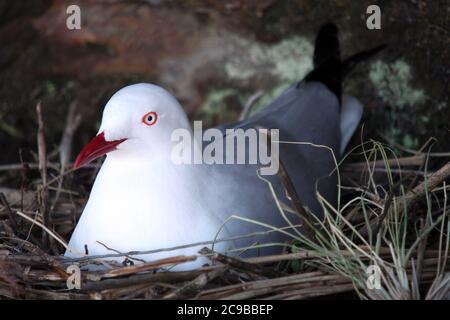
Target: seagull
pixel 142 201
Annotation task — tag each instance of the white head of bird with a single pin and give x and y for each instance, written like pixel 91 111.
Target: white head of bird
pixel 138 122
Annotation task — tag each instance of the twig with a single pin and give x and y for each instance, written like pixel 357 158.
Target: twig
pixel 147 266
pixel 316 292
pixel 19 166
pixel 118 252
pixel 51 233
pixel 249 105
pixel 416 160
pixel 256 270
pixel 195 244
pixel 65 147
pixel 73 121
pixel 196 284
pixel 167 277
pixel 308 254
pixel 305 218
pixel 307 223
pixel 42 153
pixel 429 184
pixel 267 286
pixel 419 152
pixel 38 252
pixel 12 219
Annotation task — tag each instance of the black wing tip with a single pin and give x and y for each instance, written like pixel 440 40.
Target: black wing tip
pixel 349 63
pixel 326 46
pixel 327 59
pixel 329 69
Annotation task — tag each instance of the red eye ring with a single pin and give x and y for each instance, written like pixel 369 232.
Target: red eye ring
pixel 150 118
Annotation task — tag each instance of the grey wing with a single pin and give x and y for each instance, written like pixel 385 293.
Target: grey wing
pixel 308 114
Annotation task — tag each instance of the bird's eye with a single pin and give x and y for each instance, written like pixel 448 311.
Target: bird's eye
pixel 150 118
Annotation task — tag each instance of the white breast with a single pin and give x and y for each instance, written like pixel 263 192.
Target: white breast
pixel 133 207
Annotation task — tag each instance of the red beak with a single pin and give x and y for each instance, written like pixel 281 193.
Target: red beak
pixel 96 148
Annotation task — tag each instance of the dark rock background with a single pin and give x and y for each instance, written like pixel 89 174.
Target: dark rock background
pixel 193 48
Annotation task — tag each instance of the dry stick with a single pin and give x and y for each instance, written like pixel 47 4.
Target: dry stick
pixel 23 180
pixel 248 294
pixel 28 259
pixel 73 120
pixel 430 183
pixel 19 166
pixel 326 290
pixel 196 284
pixel 425 174
pixel 11 232
pixel 43 257
pixel 314 281
pixel 310 254
pixel 406 161
pixel 420 151
pixel 271 284
pixel 169 277
pixel 117 251
pixel 147 266
pixel 288 291
pixel 413 195
pixel 398 171
pixel 253 269
pixel 42 153
pixel 11 216
pixel 249 105
pixel 305 218
pixel 44 228
pixel 45 294
pixel 131 292
pixel 308 225
pixel 195 244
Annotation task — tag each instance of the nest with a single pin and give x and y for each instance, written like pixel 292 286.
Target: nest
pixel 392 216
